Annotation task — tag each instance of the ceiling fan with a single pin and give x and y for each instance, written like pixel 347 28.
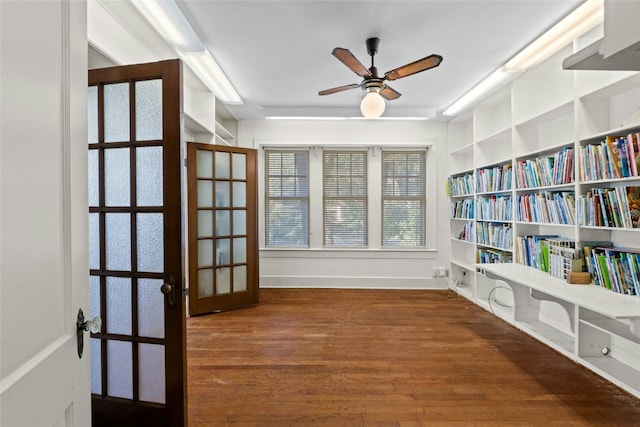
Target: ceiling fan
pixel 372 104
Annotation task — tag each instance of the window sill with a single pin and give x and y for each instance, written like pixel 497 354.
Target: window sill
pixel 399 253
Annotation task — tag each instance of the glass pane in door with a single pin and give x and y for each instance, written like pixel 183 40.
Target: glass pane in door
pixel 126 249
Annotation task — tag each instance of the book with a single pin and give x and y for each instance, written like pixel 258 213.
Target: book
pixel 633 201
pixel 627 273
pixel 604 271
pixel 614 156
pixel 633 142
pixel 623 156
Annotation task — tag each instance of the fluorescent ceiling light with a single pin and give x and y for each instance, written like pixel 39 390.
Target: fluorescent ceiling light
pixel 167 18
pixel 578 22
pixel 490 83
pixel 203 64
pixel 331 113
pixel 385 118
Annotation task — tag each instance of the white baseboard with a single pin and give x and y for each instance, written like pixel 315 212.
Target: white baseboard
pixel 353 282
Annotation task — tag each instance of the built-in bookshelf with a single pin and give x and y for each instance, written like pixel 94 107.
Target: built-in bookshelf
pixel 551 165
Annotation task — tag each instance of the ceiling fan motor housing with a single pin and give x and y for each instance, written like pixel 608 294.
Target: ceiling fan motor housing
pixel 372 45
pixel 372 83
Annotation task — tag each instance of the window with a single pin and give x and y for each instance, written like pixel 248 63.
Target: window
pixel 403 198
pixel 336 197
pixel 287 198
pixel 345 198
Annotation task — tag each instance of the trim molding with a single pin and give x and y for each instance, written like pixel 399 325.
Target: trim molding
pixel 352 282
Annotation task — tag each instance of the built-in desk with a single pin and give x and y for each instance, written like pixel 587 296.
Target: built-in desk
pixel 603 324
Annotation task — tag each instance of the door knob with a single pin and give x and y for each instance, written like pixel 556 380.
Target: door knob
pixel 94 325
pixel 169 289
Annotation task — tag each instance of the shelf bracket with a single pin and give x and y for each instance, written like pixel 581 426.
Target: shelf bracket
pixel 569 307
pixel 634 326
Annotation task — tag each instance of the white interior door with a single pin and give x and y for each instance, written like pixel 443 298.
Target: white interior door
pixel 43 219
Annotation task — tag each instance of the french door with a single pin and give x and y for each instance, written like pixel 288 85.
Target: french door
pixel 135 245
pixel 223 244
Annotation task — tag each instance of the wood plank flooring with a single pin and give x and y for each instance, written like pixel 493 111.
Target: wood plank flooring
pixel 336 357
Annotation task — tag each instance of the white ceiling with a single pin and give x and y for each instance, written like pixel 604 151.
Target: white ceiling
pixel 278 56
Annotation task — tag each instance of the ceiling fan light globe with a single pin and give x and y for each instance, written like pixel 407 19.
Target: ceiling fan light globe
pixel 372 105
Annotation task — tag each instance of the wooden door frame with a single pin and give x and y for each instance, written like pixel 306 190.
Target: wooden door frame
pixel 175 356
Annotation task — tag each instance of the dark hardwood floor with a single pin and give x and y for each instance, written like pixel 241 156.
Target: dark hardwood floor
pixel 328 357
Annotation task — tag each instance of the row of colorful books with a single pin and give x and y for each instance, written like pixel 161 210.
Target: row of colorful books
pixel 615 157
pixel 497 235
pixel 493 256
pixel 533 251
pixel 546 171
pixel 610 207
pixel 461 209
pixel 546 207
pixel 460 185
pixel 495 208
pixel 497 178
pixel 613 268
pixel 549 253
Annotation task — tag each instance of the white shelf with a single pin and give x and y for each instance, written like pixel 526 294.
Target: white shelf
pixel 541 112
pixel 463 264
pixel 619 373
pixel 594 298
pixel 544 223
pixel 597 227
pixel 221 141
pixel 461 196
pixel 464 150
pixel 633 180
pixel 599 137
pixel 613 327
pixel 494 193
pixel 222 132
pixel 544 151
pixel 453 239
pixel 466 291
pixel 548 188
pixel 563 109
pixel 549 335
pixel 498 136
pixel 497 248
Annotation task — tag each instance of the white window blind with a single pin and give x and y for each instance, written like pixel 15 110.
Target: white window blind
pixel 345 198
pixel 287 198
pixel 403 198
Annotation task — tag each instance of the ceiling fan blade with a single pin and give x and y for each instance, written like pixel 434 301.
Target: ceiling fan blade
pixel 413 68
pixel 338 89
pixel 346 57
pixel 389 93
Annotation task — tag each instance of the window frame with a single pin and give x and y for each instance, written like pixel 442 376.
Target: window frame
pixel 364 199
pixel 424 152
pixel 268 198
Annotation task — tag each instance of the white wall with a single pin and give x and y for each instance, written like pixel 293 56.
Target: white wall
pixel 373 267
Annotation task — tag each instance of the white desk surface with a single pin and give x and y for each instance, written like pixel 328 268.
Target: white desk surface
pixel 591 297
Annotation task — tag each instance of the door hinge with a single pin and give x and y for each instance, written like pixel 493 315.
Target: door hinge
pixel 186 292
